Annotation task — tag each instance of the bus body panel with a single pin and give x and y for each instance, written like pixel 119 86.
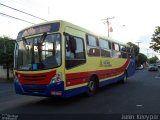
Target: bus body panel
pixel 37 83
pixel 40 90
pixel 131 68
pixel 81 78
pixel 75 79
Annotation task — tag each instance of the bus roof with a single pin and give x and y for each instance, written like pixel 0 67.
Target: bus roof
pixel 65 23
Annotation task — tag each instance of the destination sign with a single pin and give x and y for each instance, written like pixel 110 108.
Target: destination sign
pixel 52 27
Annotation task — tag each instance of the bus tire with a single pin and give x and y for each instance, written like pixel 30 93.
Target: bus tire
pixel 124 80
pixel 92 87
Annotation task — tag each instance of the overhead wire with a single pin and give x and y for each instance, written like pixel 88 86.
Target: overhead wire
pixel 3 14
pixel 23 12
pixel 25 4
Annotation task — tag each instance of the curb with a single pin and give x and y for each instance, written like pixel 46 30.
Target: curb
pixel 4 80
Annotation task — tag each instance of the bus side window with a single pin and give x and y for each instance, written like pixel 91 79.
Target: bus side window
pixel 105 48
pixel 113 46
pixel 131 52
pixel 110 46
pixel 123 51
pixel 76 56
pixel 92 48
pixel 116 50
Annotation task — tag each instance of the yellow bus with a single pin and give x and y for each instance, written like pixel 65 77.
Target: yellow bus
pixel 61 59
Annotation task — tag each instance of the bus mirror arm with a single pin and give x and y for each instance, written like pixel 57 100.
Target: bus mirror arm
pixel 66 34
pixel 15 42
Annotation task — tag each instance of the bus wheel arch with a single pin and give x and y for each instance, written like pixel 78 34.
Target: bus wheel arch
pixel 93 85
pixel 125 76
pixel 126 72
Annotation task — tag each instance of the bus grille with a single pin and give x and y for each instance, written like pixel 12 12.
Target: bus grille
pixel 34 78
pixel 35 89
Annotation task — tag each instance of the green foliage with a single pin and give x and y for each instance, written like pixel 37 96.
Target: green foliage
pixel 136 48
pixel 6 51
pixel 153 60
pixel 155 45
pixel 141 58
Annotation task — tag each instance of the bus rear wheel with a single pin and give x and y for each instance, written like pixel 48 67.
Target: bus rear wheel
pixel 92 87
pixel 124 80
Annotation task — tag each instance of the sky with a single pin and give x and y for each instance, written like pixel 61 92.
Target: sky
pixel 134 20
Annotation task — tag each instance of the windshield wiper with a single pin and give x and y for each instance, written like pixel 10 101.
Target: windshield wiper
pixel 43 37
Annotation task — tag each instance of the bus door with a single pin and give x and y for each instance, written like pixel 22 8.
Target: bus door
pixel 75 57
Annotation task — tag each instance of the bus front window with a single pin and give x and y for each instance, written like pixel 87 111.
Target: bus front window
pixel 36 53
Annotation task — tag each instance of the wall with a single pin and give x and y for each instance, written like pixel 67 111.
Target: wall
pixel 3 73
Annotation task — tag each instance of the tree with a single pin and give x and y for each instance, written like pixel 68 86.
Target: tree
pixel 155 45
pixel 6 53
pixel 141 58
pixel 153 60
pixel 136 48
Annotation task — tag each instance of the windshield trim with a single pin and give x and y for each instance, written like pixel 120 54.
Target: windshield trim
pixel 38 35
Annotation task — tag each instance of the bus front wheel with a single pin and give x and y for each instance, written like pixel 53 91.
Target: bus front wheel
pixel 92 87
pixel 124 80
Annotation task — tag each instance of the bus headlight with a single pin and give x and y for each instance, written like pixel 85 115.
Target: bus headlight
pixel 57 78
pixel 16 80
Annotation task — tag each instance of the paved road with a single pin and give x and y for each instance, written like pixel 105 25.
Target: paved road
pixel 139 95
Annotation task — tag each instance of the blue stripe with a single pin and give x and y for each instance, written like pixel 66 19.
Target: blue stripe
pixel 110 81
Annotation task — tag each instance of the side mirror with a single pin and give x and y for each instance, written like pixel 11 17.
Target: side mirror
pixel 71 42
pixel 73 45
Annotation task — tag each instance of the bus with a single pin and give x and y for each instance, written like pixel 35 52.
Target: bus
pixel 61 59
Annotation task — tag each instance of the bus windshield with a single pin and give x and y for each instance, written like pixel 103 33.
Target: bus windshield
pixel 38 53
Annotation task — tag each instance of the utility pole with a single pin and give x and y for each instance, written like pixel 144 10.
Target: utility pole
pixel 107 21
pixel 152 55
pixel 138 43
pixel 147 53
